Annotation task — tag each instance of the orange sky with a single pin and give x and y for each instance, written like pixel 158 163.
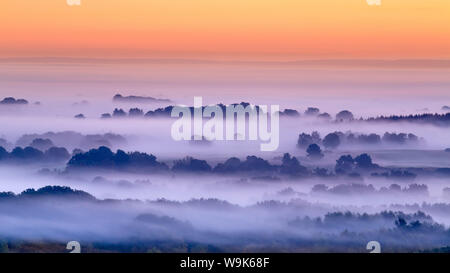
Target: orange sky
pixel 239 29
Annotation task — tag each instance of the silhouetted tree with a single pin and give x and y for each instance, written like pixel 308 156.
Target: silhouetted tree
pixel 162 112
pixel 344 116
pixel 56 154
pixel 80 116
pixel 137 99
pixel 289 113
pixel 436 119
pixel 190 164
pixel 314 151
pixel 324 116
pixel 331 141
pixel 304 140
pixel 3 153
pixel 103 157
pixel 321 172
pixel 41 144
pixel 57 191
pixel 135 112
pixel 253 163
pixel 370 139
pixel 290 165
pixel 364 161
pixel 11 100
pixel 395 138
pixel 345 164
pixel 28 153
pixel 138 159
pixel 119 113
pixel 77 151
pixel 230 165
pixel 312 111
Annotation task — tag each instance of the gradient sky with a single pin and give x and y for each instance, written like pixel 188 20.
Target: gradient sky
pixel 239 29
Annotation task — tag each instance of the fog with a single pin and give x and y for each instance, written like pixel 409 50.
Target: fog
pixel 382 180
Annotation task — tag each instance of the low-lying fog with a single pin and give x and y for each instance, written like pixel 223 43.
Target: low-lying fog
pixel 386 181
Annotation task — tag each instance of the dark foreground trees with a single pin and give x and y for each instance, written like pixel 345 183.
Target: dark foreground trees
pixel 103 157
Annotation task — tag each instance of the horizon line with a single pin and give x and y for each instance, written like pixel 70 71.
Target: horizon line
pixel 427 62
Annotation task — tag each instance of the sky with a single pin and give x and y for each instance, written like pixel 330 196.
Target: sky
pixel 230 50
pixel 226 29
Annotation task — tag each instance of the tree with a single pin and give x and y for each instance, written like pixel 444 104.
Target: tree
pixel 80 116
pixel 369 139
pixel 253 163
pixel 304 140
pixel 57 154
pixel 364 161
pixel 121 158
pixel 29 153
pixel 230 165
pixel 312 111
pixel 324 116
pixel 316 137
pixel 344 116
pixel 331 141
pixel 11 100
pixel 103 157
pixel 3 153
pixel 135 112
pixel 190 164
pixel 41 143
pixel 345 164
pixel 290 165
pixel 118 113
pixel 314 151
pixel 290 113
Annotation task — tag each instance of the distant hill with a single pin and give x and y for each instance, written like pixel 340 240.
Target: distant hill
pixel 137 99
pixel 49 192
pixel 11 100
pixel 435 119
